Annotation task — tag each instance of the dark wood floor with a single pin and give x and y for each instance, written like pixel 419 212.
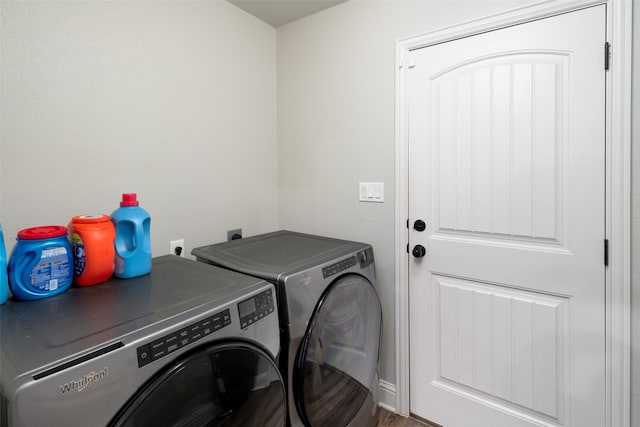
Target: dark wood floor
pixel 389 419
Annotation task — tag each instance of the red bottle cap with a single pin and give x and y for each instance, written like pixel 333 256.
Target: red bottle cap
pixel 44 232
pixel 129 199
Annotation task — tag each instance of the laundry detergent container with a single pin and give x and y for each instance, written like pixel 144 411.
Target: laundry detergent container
pixel 41 263
pixel 91 238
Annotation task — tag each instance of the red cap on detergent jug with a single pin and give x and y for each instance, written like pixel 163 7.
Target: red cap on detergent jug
pixel 44 232
pixel 129 199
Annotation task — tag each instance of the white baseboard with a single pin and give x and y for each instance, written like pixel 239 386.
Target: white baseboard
pixel 387 396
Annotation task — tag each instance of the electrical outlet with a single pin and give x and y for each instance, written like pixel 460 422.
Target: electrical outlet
pixel 176 247
pixel 234 234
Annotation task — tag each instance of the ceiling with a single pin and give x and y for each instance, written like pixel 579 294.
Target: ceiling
pixel 280 12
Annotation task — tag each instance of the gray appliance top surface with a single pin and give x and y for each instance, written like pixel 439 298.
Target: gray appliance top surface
pixel 34 333
pixel 273 256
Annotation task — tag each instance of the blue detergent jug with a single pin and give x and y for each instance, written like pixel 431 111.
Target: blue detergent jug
pixel 133 239
pixel 41 263
pixel 4 290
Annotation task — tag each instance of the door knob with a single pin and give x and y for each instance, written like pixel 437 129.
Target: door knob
pixel 419 225
pixel 419 251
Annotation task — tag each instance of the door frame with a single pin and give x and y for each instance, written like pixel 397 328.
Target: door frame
pixel 618 193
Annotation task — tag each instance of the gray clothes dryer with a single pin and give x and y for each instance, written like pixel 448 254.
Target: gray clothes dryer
pixel 330 319
pixel 189 344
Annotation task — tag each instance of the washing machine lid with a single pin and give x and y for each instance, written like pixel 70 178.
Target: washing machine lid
pixel 228 384
pixel 273 256
pixel 51 330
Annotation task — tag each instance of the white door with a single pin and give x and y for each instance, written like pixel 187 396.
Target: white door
pixel 506 169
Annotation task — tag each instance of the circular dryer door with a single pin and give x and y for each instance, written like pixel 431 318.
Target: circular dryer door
pixel 336 370
pixel 233 384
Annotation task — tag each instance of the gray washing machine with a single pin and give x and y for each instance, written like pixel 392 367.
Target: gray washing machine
pixel 330 319
pixel 189 344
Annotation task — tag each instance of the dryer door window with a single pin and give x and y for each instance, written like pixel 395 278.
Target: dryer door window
pixel 336 369
pixel 233 384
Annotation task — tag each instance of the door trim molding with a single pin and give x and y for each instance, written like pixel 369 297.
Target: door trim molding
pixel 618 203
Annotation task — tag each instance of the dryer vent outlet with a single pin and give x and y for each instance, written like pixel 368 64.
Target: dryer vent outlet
pixel 234 234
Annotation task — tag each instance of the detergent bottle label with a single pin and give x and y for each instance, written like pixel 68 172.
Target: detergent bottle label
pixel 79 255
pixel 52 268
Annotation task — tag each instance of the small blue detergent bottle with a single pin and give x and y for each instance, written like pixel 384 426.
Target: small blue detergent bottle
pixel 41 263
pixel 133 239
pixel 4 290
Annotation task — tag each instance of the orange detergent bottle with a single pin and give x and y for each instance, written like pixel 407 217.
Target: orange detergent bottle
pixel 91 238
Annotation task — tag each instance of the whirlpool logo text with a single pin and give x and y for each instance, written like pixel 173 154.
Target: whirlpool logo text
pixel 82 383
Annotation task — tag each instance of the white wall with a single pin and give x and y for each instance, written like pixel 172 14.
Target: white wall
pixel 173 100
pixel 336 92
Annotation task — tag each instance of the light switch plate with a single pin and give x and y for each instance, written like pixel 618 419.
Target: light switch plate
pixel 371 192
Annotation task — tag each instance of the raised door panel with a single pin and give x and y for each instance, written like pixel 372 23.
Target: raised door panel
pixel 498 161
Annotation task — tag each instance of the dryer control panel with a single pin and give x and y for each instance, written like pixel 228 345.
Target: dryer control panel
pixel 255 308
pixel 365 257
pixel 339 266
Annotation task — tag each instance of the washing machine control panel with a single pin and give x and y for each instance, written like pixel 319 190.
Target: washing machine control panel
pixel 171 342
pixel 255 308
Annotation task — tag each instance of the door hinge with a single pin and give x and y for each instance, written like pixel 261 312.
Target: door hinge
pixel 407 248
pixel 606 252
pixel 607 55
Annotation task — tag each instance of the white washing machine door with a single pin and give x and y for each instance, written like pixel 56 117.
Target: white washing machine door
pixel 224 384
pixel 336 369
